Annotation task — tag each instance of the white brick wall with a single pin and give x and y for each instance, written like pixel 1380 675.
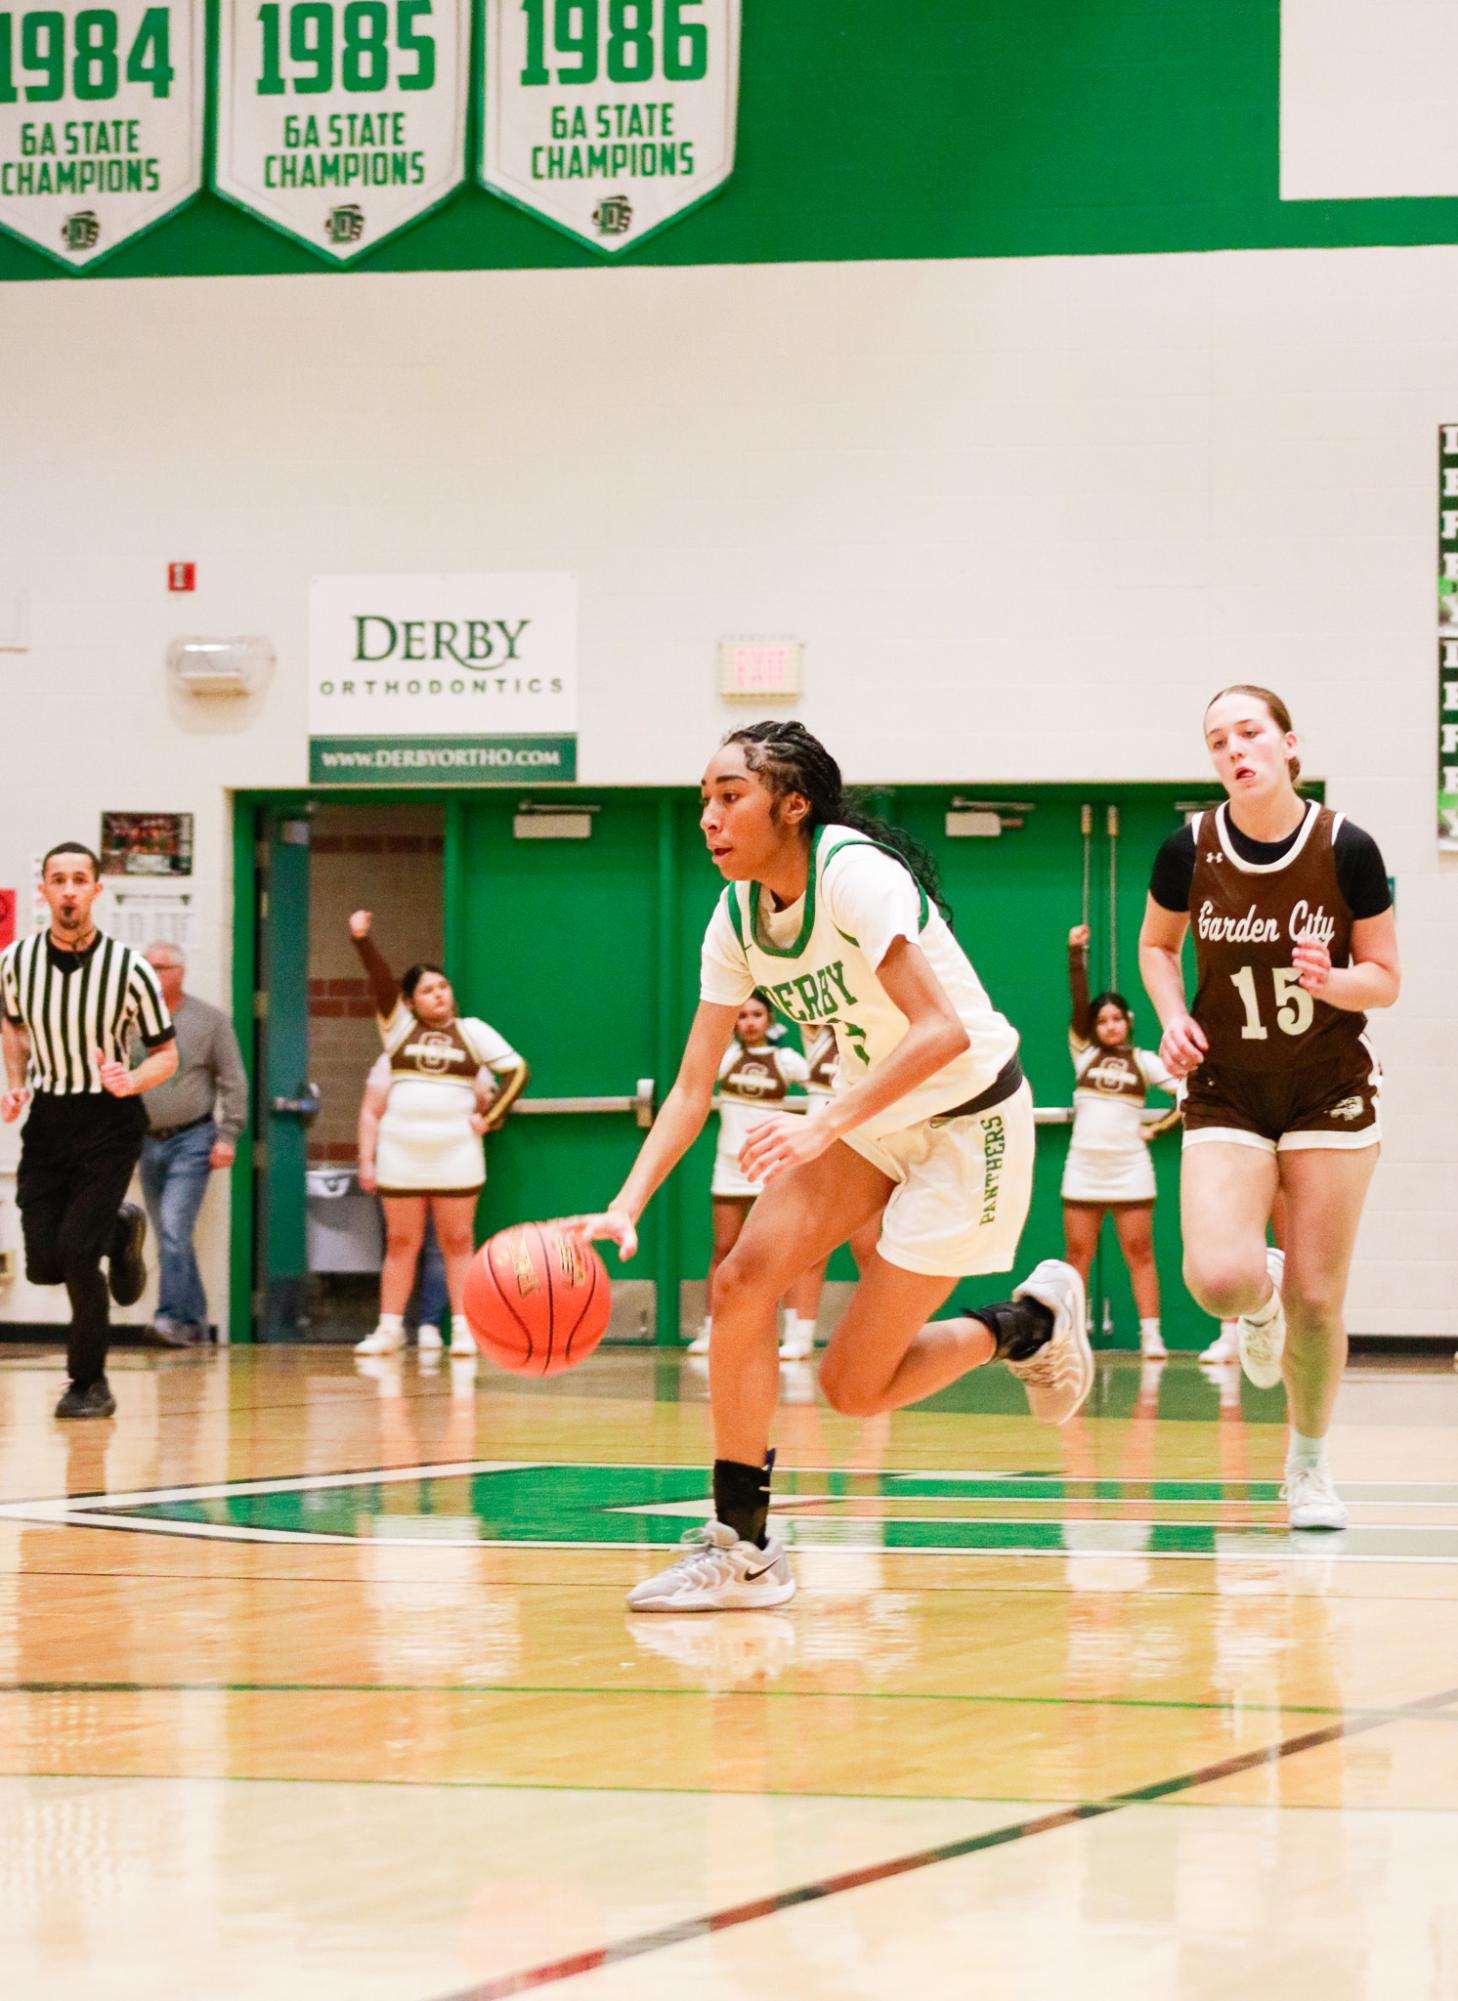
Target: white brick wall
pixel 1026 514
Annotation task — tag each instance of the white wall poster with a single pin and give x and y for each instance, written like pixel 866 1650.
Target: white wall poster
pixel 609 118
pixel 341 124
pixel 101 121
pixel 443 680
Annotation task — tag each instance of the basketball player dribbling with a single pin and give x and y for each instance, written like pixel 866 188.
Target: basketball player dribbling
pixel 1295 940
pixel 931 1122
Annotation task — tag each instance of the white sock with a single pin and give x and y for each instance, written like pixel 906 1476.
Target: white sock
pixel 392 1323
pixel 708 1326
pixel 1304 1455
pixel 1149 1329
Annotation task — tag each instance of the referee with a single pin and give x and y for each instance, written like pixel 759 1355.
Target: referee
pixel 70 999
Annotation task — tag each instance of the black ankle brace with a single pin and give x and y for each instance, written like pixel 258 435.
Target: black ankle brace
pixel 1020 1327
pixel 741 1497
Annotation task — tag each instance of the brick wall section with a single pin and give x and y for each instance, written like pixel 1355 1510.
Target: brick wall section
pixel 387 860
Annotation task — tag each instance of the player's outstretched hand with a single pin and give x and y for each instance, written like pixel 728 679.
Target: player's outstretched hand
pixel 360 922
pixel 1312 961
pixel 13 1104
pixel 1078 938
pixel 610 1226
pixel 779 1143
pixel 1183 1046
pixel 115 1077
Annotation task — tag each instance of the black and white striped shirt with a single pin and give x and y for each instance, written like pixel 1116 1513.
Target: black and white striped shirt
pixel 72 1004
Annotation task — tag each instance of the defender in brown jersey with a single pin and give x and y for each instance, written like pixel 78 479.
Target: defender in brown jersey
pixel 1294 942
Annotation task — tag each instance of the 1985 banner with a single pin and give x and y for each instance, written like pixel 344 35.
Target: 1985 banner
pixel 101 121
pixel 443 680
pixel 610 118
pixel 340 121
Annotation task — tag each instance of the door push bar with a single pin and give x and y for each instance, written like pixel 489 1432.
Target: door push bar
pixel 640 1105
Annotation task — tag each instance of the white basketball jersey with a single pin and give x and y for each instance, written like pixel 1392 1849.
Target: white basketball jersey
pixel 815 971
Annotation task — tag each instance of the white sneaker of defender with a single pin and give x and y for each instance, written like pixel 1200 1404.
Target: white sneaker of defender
pixel 1312 1502
pixel 1261 1347
pixel 1059 1377
pixel 717 1572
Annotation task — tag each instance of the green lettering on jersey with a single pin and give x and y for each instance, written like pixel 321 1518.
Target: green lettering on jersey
pixel 808 989
pixel 784 998
pixel 827 989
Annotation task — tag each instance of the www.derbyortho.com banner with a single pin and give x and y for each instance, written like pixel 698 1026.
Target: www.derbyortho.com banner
pixel 443 680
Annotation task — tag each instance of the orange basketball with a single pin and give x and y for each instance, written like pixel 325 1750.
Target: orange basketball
pixel 537 1302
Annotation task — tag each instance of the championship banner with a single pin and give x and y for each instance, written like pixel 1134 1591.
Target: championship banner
pixel 609 118
pixel 101 121
pixel 1448 638
pixel 443 680
pixel 340 124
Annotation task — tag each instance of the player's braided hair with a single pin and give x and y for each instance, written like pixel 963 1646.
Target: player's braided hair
pixel 789 759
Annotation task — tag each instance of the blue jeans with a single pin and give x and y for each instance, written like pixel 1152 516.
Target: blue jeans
pixel 175 1176
pixel 430 1281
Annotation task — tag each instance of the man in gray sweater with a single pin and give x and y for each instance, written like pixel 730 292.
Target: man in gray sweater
pixel 193 1125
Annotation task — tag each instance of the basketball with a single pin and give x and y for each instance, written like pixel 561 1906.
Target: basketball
pixel 537 1301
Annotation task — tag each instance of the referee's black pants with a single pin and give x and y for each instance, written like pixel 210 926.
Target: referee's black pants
pixel 76 1159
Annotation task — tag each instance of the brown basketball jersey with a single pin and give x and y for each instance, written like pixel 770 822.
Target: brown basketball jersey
pixel 1247 917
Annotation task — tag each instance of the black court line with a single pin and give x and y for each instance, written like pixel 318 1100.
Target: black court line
pixel 688 1929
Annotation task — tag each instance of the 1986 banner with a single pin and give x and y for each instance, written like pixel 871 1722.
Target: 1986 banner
pixel 339 121
pixel 609 118
pixel 101 121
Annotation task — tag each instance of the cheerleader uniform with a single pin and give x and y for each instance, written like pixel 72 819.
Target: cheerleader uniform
pixel 426 1143
pixel 752 1082
pixel 1108 1159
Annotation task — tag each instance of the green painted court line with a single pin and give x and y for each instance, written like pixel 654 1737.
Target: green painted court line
pixel 435 1689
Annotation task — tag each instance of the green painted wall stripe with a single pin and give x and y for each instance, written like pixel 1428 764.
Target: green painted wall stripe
pixel 994 130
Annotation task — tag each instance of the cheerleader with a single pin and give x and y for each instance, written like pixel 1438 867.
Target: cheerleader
pixel 1108 1167
pixel 754 1078
pixel 452 1079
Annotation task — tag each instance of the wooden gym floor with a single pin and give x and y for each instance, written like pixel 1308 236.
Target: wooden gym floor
pixel 316 1682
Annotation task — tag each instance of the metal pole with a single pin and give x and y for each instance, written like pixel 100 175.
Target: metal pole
pixel 1085 822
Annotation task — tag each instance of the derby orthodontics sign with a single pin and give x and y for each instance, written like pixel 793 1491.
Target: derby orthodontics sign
pixel 442 680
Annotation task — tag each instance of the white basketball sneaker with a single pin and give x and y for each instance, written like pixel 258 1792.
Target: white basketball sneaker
pixel 716 1572
pixel 700 1343
pixel 384 1341
pixel 1312 1502
pixel 1060 1375
pixel 427 1338
pixel 1225 1347
pixel 1261 1346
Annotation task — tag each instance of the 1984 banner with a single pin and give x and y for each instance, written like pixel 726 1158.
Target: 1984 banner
pixel 610 118
pixel 340 121
pixel 101 120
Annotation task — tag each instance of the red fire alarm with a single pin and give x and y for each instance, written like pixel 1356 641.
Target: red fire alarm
pixel 7 917
pixel 182 576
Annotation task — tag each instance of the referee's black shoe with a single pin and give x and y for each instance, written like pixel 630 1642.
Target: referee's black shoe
pixel 96 1400
pixel 127 1274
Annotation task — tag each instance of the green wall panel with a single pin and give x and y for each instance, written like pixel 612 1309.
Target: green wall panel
pixel 996 129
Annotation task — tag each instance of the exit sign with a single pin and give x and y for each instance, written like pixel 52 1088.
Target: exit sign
pixel 751 669
pixel 182 576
